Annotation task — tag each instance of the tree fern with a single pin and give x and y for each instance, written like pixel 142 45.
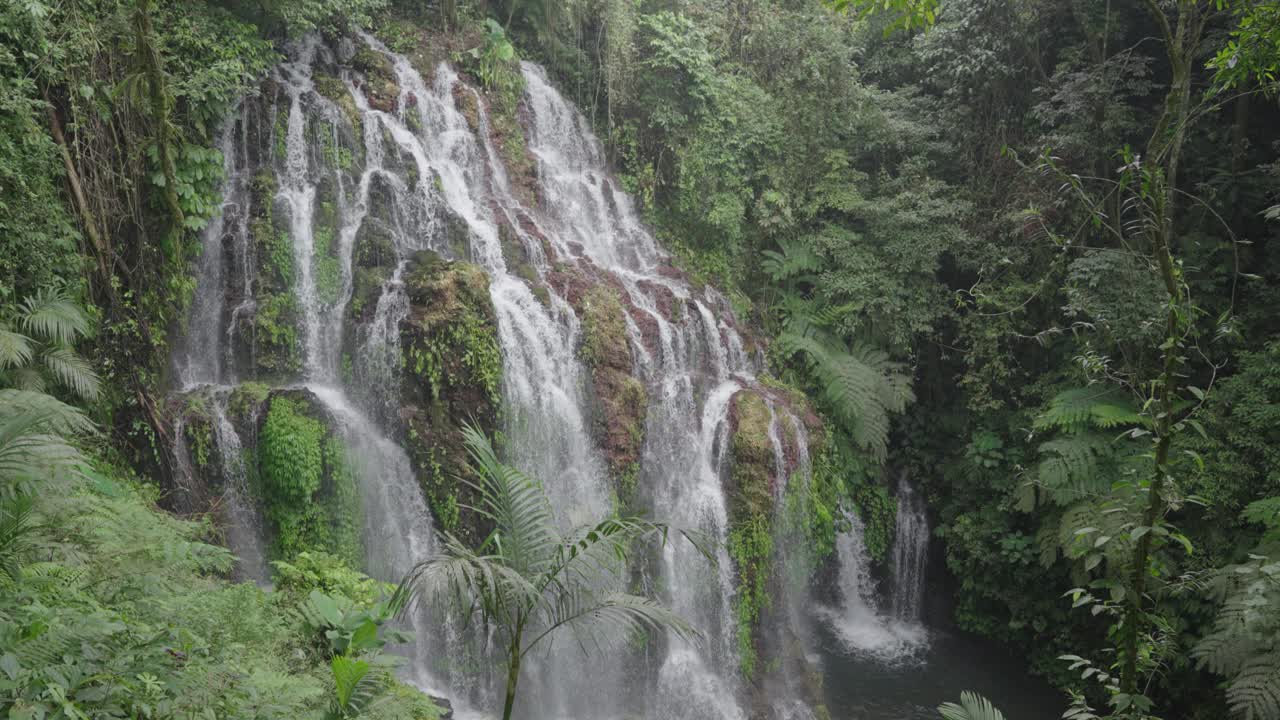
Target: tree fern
pixel 1088 407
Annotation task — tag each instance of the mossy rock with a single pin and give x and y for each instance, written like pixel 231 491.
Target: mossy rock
pixel 751 477
pixel 750 499
pixel 380 86
pixel 335 91
pixel 453 371
pixel 621 402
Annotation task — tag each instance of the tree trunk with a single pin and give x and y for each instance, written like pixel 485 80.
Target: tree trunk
pixel 1164 151
pixel 513 670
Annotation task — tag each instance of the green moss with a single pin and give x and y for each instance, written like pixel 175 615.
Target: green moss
pixel 280 256
pixel 307 485
pixel 380 86
pixel 335 90
pixel 604 328
pixel 278 348
pixel 280 132
pixel 621 400
pixel 290 470
pixel 343 503
pixel 246 397
pixel 878 511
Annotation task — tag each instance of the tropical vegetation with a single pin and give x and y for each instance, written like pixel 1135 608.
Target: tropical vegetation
pixel 1019 249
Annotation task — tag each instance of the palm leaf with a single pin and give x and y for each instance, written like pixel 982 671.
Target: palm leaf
pixel 52 316
pixel 524 531
pixel 972 707
pixel 356 685
pixel 72 371
pixel 27 378
pixel 604 622
pixel 33 430
pixel 15 348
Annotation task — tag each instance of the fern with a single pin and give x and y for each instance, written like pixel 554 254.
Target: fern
pixel 1089 407
pixel 1244 644
pixel 1071 466
pixel 796 261
pixel 859 383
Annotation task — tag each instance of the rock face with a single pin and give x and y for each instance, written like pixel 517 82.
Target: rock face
pixel 763 457
pixel 452 377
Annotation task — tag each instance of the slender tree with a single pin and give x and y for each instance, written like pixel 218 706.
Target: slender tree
pixel 531 582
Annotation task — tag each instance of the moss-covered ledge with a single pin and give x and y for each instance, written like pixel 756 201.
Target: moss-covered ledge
pixel 452 376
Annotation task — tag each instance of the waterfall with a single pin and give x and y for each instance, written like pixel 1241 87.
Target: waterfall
pixel 859 622
pixel 243 521
pixel 424 173
pixel 910 545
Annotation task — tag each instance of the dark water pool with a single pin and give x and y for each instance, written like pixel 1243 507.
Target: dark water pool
pixel 860 686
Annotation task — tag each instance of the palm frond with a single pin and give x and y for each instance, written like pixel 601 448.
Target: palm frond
pixel 604 622
pixel 72 371
pixel 356 685
pixel 972 707
pixel 524 527
pixel 29 378
pixel 470 582
pixel 48 413
pixel 15 348
pixel 33 430
pixel 50 315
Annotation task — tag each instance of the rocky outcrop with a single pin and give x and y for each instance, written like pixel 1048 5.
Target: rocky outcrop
pixel 452 377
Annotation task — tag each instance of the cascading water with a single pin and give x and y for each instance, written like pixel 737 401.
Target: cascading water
pixel 420 166
pixel 244 523
pixel 859 622
pixel 910 546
